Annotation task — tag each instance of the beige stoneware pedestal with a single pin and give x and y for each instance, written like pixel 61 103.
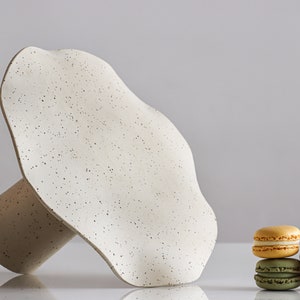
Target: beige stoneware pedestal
pixel 29 233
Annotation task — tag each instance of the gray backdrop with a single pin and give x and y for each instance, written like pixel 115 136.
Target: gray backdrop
pixel 227 73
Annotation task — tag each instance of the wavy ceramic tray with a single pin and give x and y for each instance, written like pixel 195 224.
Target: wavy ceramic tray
pixel 99 162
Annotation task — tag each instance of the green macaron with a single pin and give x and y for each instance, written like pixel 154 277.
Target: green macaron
pixel 278 274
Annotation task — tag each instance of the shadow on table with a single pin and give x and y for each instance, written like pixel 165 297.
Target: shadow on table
pixel 233 288
pixel 25 287
pixel 176 292
pixel 72 281
pixel 31 288
pixel 277 295
pixel 78 281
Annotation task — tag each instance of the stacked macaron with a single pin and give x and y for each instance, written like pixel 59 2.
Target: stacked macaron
pixel 275 244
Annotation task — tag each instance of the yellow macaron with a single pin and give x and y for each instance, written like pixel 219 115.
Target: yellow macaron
pixel 276 241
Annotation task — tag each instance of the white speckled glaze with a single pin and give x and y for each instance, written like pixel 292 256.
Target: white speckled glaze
pixel 111 167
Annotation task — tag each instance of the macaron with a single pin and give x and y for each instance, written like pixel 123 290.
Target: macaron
pixel 276 241
pixel 278 274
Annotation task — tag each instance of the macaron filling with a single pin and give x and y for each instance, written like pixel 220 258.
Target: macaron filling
pixel 272 243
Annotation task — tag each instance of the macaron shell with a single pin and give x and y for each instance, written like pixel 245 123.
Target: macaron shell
pixel 277 284
pixel 275 251
pixel 277 233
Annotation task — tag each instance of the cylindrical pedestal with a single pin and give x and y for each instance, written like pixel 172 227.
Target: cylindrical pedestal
pixel 29 234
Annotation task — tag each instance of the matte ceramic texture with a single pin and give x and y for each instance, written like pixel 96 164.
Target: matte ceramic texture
pixel 108 165
pixel 29 234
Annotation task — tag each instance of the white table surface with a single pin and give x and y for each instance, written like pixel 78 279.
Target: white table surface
pixel 78 272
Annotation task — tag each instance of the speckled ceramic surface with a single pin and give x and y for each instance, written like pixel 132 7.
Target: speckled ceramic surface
pixel 29 233
pixel 114 169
